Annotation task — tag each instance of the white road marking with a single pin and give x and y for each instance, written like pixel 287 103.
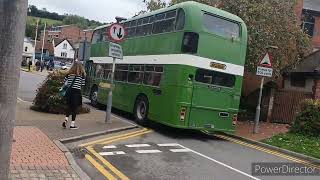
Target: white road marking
pixel 137 145
pixel 148 151
pixel 218 162
pixel 180 150
pixel 168 145
pixel 112 153
pixel 19 99
pixel 109 147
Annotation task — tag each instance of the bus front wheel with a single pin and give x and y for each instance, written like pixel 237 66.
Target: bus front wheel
pixel 141 109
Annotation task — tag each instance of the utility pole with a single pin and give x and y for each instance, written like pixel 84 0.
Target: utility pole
pixel 44 34
pixel 35 43
pixel 13 15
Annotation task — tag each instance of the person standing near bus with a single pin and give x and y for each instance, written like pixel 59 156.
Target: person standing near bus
pixel 76 78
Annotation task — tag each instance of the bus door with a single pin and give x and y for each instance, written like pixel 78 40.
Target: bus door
pixel 211 100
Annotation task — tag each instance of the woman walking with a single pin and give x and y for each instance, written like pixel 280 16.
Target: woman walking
pixel 76 78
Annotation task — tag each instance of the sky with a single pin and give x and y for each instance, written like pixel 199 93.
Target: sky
pixel 100 10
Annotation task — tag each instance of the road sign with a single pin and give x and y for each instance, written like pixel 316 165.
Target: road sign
pixel 265 66
pixel 266 61
pixel 263 71
pixel 116 32
pixel 115 51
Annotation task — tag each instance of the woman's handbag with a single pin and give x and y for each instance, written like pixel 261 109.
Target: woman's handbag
pixel 64 89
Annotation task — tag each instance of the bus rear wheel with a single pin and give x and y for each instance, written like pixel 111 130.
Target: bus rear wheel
pixel 141 109
pixel 94 97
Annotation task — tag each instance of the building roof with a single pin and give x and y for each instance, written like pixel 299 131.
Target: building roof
pixel 313 5
pixel 57 41
pixel 310 64
pixel 62 40
pixel 47 45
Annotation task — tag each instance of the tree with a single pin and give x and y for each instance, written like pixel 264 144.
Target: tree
pixel 13 21
pixel 155 4
pixel 269 22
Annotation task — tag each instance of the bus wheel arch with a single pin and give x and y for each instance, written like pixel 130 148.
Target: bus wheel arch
pixel 94 95
pixel 141 109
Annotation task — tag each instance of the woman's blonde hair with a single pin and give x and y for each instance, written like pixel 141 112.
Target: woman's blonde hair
pixel 77 69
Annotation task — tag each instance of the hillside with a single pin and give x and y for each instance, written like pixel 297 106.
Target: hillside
pixel 54 19
pixel 50 22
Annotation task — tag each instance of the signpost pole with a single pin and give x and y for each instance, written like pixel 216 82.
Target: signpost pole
pixel 116 33
pixel 109 103
pixel 258 110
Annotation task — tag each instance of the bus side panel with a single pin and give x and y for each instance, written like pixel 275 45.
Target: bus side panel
pixel 176 92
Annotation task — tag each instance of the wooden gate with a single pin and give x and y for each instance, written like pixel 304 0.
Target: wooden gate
pixel 286 105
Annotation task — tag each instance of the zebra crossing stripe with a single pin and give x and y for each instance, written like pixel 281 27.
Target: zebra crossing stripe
pixel 180 150
pixel 112 153
pixel 148 151
pixel 168 145
pixel 138 145
pixel 109 147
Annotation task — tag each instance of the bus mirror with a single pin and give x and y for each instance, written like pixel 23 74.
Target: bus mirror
pixel 190 78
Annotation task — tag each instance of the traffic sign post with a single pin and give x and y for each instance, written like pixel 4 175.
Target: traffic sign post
pixel 264 69
pixel 116 33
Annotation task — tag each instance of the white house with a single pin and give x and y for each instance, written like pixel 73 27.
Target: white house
pixel 28 50
pixel 63 49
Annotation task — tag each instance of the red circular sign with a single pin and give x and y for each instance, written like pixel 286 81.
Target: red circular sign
pixel 117 32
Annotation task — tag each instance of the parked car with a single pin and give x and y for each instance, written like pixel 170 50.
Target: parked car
pixel 66 66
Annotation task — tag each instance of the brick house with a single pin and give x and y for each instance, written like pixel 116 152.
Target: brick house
pixel 71 32
pixel 48 51
pixel 310 17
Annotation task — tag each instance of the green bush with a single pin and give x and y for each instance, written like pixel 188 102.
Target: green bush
pixel 47 98
pixel 307 121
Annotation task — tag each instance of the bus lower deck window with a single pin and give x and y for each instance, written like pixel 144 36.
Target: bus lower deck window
pixel 215 78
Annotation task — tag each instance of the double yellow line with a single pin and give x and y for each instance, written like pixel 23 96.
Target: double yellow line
pixel 282 155
pixel 101 168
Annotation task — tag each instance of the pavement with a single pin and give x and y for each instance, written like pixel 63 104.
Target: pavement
pixel 266 130
pixel 34 153
pixel 35 156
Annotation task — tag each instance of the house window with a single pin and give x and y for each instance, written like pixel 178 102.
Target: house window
pixel 297 80
pixel 65 46
pixel 26 49
pixel 308 24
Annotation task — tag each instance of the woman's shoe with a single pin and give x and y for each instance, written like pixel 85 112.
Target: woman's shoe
pixel 64 124
pixel 74 127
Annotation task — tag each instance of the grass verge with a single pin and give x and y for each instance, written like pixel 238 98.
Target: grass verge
pixel 302 144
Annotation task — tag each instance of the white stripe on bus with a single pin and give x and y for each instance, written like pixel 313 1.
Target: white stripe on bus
pixel 181 59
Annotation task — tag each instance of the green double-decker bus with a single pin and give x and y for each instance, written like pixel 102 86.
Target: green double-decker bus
pixel 183 67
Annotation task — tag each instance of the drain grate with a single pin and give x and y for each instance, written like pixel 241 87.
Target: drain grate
pixel 79 152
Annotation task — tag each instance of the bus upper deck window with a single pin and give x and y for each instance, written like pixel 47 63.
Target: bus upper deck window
pixel 221 27
pixel 180 20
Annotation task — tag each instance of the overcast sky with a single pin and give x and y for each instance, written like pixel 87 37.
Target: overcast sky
pixel 101 10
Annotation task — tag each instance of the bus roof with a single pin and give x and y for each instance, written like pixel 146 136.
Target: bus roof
pixel 191 4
